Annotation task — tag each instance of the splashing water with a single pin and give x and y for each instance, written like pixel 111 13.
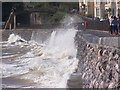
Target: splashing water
pixel 14 38
pixel 62 42
pixel 48 66
pixel 52 38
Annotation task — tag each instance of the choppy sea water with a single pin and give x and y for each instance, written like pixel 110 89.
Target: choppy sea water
pixel 39 63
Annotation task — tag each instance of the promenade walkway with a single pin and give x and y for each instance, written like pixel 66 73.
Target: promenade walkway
pixel 101 38
pixel 101 33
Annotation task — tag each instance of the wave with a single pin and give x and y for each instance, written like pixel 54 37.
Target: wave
pixel 49 64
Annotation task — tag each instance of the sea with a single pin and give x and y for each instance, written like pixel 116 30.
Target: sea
pixel 45 61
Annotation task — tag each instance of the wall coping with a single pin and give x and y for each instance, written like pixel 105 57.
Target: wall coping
pixel 101 40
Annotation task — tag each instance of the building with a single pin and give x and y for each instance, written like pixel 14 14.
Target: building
pixel 111 8
pixel 118 7
pixel 86 8
pixel 100 9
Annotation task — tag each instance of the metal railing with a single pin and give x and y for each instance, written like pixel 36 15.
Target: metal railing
pixel 96 24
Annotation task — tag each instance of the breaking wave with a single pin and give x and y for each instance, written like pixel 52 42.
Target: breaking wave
pixel 48 64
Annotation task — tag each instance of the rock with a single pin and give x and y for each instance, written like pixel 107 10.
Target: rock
pixel 109 59
pixel 96 85
pixel 97 46
pixel 84 75
pixel 116 76
pixel 101 69
pixel 39 54
pixel 37 51
pixel 111 54
pixel 88 46
pixel 93 83
pixel 108 67
pixel 110 75
pixel 116 56
pixel 117 67
pixel 98 67
pixel 102 84
pixel 100 52
pixel 111 85
pixel 104 64
pixel 99 58
pixel 92 50
pixel 90 76
pixel 105 52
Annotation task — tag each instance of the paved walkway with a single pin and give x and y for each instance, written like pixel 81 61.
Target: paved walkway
pixel 101 38
pixel 101 33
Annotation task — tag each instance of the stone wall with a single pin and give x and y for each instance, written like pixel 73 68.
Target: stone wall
pixel 26 34
pixel 98 63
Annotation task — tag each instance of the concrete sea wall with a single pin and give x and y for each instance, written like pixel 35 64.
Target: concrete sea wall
pixel 99 61
pixel 25 33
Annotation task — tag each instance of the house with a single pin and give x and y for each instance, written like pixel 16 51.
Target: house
pixel 99 8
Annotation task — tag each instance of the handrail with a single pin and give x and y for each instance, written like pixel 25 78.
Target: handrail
pixel 10 21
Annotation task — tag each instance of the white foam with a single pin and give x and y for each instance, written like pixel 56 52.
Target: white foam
pixel 15 38
pixel 55 62
pixel 53 67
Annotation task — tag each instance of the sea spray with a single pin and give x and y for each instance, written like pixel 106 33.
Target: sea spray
pixel 53 67
pixel 15 38
pixel 62 43
pixel 55 60
pixel 51 40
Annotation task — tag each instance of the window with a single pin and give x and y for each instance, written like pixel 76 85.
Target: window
pixel 97 11
pixel 107 1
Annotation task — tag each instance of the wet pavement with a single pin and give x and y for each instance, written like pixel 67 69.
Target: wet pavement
pixel 100 33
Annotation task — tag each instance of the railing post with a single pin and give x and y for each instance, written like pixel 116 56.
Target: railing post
pixel 10 26
pixel 14 21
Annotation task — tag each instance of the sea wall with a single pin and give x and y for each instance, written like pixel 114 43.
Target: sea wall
pixel 25 33
pixel 99 60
